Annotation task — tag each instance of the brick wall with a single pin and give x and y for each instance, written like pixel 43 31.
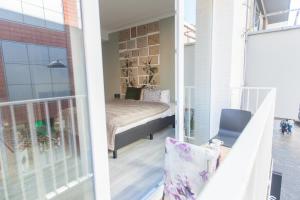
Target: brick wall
pixel 18 32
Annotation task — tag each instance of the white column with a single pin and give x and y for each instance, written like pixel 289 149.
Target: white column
pixel 179 72
pixel 203 61
pixel 219 62
pixel 95 83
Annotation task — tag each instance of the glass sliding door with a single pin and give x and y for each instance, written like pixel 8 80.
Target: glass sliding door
pixel 45 133
pixel 189 35
pixel 197 41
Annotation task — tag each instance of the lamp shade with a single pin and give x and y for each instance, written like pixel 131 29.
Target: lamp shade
pixel 56 64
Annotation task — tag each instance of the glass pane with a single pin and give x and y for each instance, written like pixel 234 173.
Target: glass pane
pixel 140 57
pixel 45 149
pixel 190 39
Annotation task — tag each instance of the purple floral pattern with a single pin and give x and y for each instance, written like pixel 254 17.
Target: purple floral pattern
pixel 186 169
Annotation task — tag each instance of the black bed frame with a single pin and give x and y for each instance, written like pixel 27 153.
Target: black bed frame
pixel 142 131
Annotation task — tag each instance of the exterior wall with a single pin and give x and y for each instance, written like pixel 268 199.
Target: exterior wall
pixel 3 91
pixel 273 61
pixel 30 34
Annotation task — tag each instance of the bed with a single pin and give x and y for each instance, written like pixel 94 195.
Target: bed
pixel 131 120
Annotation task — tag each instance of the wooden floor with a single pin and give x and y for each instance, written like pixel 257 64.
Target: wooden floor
pixel 139 167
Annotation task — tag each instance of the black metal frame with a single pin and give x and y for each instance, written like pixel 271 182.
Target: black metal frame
pixel 142 131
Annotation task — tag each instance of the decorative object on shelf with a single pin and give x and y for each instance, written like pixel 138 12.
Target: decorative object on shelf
pixel 286 126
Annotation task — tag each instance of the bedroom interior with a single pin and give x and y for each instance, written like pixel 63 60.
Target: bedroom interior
pixel 139 100
pixel 139 83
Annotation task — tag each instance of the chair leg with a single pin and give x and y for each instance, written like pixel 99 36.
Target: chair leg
pixel 115 154
pixel 151 136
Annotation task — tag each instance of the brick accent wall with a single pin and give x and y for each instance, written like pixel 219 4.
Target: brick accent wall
pixel 139 49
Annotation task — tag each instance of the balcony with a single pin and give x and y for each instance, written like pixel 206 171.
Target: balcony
pixel 44 150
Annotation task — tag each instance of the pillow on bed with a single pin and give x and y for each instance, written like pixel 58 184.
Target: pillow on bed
pixel 151 95
pixel 165 96
pixel 133 93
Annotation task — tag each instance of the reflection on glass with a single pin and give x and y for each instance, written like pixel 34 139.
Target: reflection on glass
pixel 44 133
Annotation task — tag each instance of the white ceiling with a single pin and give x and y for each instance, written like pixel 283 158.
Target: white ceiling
pixel 120 14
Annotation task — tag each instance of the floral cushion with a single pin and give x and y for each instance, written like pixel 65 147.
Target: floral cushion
pixel 187 169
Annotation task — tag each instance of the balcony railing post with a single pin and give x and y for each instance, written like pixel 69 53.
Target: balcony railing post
pixel 50 145
pixel 3 158
pixel 62 135
pixel 3 175
pixel 257 99
pixel 17 151
pixel 252 152
pixel 189 109
pixel 82 127
pixel 248 99
pixel 35 151
pixel 74 137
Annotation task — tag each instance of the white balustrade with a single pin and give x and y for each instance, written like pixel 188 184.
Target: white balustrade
pixel 245 173
pixel 66 144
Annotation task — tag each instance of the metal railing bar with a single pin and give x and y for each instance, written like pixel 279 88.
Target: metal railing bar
pixel 83 142
pixel 62 140
pixel 3 177
pixel 3 143
pixel 50 144
pixel 74 137
pixel 257 99
pixel 35 151
pixel 62 189
pixel 248 99
pixel 15 145
pixel 281 12
pixel 189 109
pixel 252 88
pixel 3 157
pixel 297 18
pixel 39 100
pixel 260 122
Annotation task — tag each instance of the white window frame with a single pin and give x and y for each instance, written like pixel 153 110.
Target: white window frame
pixel 96 102
pixel 179 69
pixel 95 84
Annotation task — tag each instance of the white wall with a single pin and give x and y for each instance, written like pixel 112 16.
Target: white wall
pixel 167 55
pixel 111 66
pixel 219 60
pixel 273 60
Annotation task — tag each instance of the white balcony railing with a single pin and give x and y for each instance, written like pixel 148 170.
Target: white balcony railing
pixel 245 173
pixel 43 147
pixel 262 22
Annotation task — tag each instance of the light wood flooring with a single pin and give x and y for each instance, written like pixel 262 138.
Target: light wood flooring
pixel 139 167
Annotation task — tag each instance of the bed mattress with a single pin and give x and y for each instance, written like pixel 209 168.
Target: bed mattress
pixel 123 115
pixel 167 113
